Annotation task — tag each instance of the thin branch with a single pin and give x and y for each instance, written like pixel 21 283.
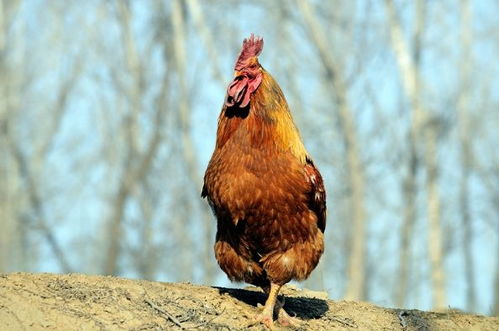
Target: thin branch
pixel 197 15
pixel 37 204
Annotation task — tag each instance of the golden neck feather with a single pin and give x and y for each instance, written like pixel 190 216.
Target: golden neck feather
pixel 269 103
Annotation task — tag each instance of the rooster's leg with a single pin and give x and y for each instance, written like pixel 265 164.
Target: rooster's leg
pixel 283 317
pixel 267 315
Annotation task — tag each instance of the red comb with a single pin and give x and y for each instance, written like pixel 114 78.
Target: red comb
pixel 252 47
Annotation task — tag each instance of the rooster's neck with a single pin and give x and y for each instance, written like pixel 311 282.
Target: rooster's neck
pixel 266 125
pixel 269 108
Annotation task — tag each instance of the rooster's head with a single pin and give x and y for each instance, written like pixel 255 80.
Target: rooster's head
pixel 248 73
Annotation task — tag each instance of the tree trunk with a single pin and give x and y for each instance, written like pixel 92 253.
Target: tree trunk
pixel 463 109
pixel 434 226
pixel 495 309
pixel 189 155
pixel 409 195
pixel 425 129
pixel 355 172
pixel 129 176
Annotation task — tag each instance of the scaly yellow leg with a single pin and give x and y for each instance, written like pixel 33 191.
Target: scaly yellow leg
pixel 267 315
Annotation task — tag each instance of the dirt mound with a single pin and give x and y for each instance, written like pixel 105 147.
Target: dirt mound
pixel 81 302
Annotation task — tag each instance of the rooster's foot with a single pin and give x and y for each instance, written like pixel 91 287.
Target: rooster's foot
pixel 286 320
pixel 266 318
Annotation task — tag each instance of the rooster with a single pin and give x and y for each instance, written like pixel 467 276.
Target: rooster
pixel 265 191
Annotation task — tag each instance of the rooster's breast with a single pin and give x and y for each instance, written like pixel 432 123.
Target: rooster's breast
pixel 263 192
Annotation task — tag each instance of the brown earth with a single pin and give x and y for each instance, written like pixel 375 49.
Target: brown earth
pixel 81 302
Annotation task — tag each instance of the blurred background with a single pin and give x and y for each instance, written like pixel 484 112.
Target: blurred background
pixel 108 114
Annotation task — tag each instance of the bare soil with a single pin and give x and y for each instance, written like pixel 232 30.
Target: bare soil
pixel 82 302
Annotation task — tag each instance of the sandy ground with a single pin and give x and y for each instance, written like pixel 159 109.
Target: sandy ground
pixel 82 302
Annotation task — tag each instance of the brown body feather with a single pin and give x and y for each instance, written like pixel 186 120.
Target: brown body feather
pixel 266 193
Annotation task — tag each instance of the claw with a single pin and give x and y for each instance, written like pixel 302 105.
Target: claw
pixel 283 317
pixel 286 320
pixel 266 319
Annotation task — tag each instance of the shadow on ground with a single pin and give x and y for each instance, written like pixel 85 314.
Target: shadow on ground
pixel 301 307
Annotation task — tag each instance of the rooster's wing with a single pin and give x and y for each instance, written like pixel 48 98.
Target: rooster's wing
pixel 317 193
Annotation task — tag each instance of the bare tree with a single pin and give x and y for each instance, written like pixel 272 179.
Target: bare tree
pixel 495 308
pixel 26 164
pixel 188 148
pixel 355 172
pixel 7 167
pixel 409 185
pixel 426 127
pixel 463 109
